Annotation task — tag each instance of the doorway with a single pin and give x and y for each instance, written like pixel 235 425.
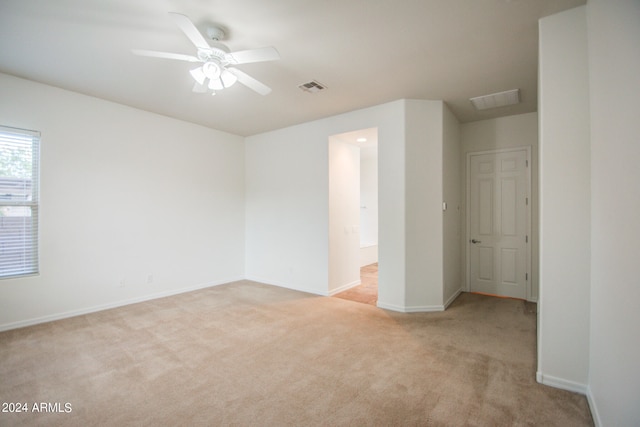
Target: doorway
pixel 353 212
pixel 367 291
pixel 499 222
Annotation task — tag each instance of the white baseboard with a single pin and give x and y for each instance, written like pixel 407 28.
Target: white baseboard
pixel 424 308
pixel 344 287
pixel 391 307
pixel 108 306
pixel 410 309
pixel 293 287
pixel 594 408
pixel 561 383
pixel 575 387
pixel 420 308
pixel 452 298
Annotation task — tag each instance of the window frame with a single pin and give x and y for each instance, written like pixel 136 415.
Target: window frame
pixel 30 248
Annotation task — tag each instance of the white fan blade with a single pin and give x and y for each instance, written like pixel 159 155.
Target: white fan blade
pixel 190 30
pixel 165 55
pixel 253 55
pixel 200 88
pixel 250 82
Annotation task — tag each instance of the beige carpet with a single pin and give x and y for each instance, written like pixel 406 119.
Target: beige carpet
pixel 248 354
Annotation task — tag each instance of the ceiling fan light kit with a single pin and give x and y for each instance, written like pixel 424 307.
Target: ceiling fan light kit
pixel 216 58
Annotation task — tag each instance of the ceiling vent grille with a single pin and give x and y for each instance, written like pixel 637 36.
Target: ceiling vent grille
pixel 494 100
pixel 312 87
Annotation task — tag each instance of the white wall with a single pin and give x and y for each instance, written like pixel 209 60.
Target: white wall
pixel 287 190
pixel 287 223
pixel 369 196
pixel 287 183
pixel 505 132
pixel 125 194
pixel 368 205
pixel 424 234
pixel 344 215
pixel 171 200
pixel 614 67
pixel 451 217
pixel 565 202
pixel 391 206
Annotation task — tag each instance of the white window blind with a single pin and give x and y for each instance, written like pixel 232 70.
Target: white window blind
pixel 19 201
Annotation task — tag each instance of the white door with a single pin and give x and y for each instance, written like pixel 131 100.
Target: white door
pixel 499 223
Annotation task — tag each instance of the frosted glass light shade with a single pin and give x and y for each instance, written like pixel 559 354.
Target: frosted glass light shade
pixel 228 79
pixel 225 80
pixel 215 84
pixel 198 75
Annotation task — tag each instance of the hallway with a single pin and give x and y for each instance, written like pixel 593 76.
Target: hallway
pixel 367 291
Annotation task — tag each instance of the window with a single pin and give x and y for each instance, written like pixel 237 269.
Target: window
pixel 19 185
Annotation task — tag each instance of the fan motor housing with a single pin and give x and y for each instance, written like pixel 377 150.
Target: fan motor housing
pixel 215 33
pixel 219 52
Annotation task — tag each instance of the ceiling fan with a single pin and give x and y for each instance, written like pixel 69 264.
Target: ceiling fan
pixel 217 71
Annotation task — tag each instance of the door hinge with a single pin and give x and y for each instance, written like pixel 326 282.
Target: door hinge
pixel 526 276
pixel 526 239
pixel 526 163
pixel 526 201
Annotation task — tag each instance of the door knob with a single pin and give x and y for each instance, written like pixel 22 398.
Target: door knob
pixel 476 241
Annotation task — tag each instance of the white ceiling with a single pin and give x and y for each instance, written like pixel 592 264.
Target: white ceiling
pixel 366 52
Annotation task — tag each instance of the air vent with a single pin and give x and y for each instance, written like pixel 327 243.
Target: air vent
pixel 312 87
pixel 500 99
